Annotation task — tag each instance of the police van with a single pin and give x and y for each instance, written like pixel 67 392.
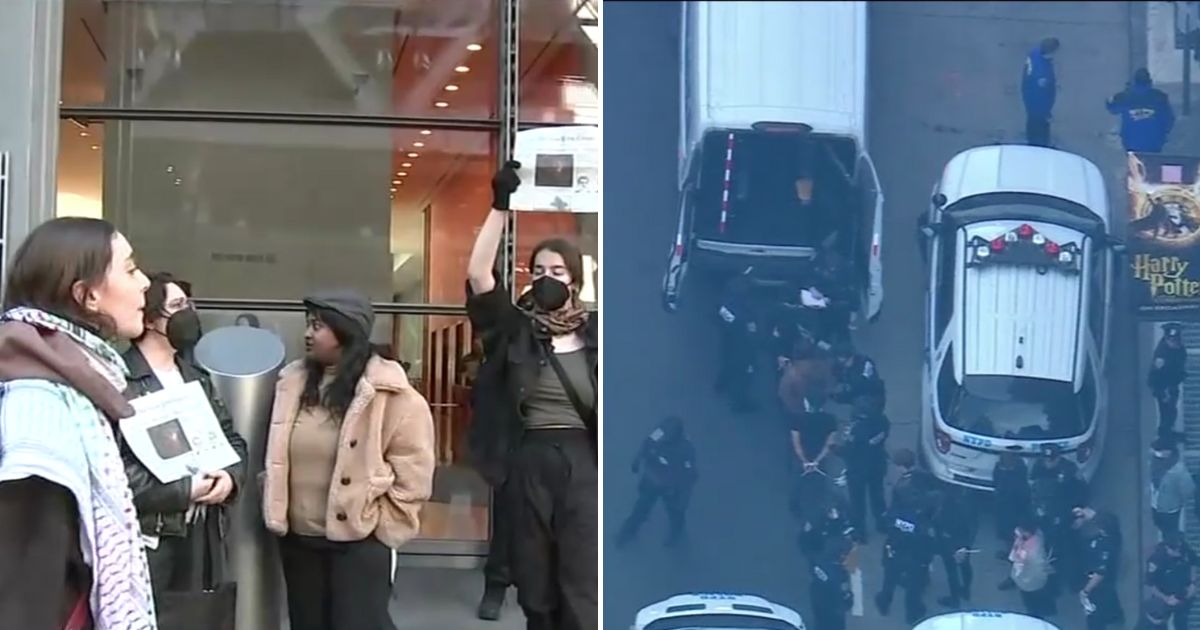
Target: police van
pixel 1017 301
pixel 773 164
pixel 717 610
pixel 984 620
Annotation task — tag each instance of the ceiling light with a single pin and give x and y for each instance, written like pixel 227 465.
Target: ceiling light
pixel 400 184
pixel 441 104
pixel 170 169
pixel 393 189
pixel 418 144
pixel 474 47
pixel 406 164
pixel 451 88
pixel 95 147
pixel 425 132
pixel 413 155
pixel 402 173
pixel 461 69
pixel 178 181
pixel 396 181
pixel 83 134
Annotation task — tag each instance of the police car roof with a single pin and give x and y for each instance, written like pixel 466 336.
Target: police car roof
pixel 693 604
pixel 984 620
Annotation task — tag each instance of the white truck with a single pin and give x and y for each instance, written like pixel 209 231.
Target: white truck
pixel 773 162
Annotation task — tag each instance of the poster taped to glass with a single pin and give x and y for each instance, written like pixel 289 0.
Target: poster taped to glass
pixel 1164 234
pixel 560 170
pixel 175 433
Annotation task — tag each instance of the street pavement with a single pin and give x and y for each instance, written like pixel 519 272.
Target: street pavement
pixel 943 77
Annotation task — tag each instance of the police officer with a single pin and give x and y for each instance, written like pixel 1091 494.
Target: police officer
pixel 667 464
pixel 825 524
pixel 865 453
pixel 914 487
pixel 856 376
pixel 830 587
pixel 738 332
pixel 1173 575
pixel 1010 498
pixel 907 554
pixel 1100 550
pixel 1155 614
pixel 1167 371
pixel 1056 488
pixel 1146 114
pixel 954 527
pixel 833 280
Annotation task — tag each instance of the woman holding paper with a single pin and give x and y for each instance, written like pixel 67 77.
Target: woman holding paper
pixel 542 420
pixel 71 554
pixel 181 521
pixel 349 464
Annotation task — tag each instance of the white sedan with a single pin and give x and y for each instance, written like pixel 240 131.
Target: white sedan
pixel 709 611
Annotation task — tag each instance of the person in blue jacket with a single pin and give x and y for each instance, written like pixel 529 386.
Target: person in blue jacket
pixel 1038 89
pixel 1146 114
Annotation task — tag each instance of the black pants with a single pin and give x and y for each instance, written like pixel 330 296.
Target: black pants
pixel 337 585
pixel 863 487
pixel 554 557
pixel 497 572
pixel 959 576
pixel 1037 130
pixel 1108 607
pixel 828 615
pixel 1180 612
pixel 913 580
pixel 1166 521
pixel 674 502
pixel 734 376
pixel 1006 513
pixel 1168 408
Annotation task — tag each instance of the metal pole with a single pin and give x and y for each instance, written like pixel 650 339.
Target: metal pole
pixel 510 80
pixel 1187 56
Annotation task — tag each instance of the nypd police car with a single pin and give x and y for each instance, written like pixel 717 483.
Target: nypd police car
pixel 705 611
pixel 984 620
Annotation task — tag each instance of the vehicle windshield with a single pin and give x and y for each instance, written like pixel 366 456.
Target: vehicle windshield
pixel 1015 408
pixel 719 621
pixel 785 189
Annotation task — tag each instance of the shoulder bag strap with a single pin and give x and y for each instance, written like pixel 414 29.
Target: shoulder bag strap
pixel 587 414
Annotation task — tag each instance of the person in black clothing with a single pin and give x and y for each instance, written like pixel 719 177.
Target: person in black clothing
pixel 1173 577
pixel 865 453
pixel 1056 488
pixel 824 519
pixel 162 357
pixel 541 415
pixel 1167 373
pixel 829 587
pixel 832 278
pixel 914 489
pixel 1010 498
pixel 739 328
pixel 667 463
pixel 1155 614
pixel 954 527
pixel 813 435
pixel 856 376
pixel 906 557
pixel 1100 551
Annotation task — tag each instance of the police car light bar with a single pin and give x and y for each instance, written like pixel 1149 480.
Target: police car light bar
pixel 1027 247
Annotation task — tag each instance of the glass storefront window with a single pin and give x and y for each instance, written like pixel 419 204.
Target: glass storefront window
pixel 580 229
pixel 385 58
pixel 559 61
pixel 435 351
pixel 270 211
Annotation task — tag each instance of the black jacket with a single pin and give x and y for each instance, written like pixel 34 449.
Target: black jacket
pixel 1169 368
pixel 162 507
pixel 514 356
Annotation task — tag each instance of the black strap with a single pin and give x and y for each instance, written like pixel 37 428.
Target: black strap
pixel 588 415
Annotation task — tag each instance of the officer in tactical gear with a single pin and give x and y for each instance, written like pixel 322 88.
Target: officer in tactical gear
pixel 865 453
pixel 1167 372
pixel 739 330
pixel 906 557
pixel 667 464
pixel 856 376
pixel 830 587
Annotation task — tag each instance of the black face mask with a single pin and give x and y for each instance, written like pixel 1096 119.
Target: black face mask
pixel 183 329
pixel 549 294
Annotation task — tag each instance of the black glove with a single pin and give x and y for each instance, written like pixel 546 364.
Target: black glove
pixel 504 184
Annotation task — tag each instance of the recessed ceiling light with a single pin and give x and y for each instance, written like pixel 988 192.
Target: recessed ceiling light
pixel 474 47
pixel 83 134
pixel 406 164
pixel 441 104
pixel 170 169
pixel 461 69
pixel 402 173
pixel 413 155
pixel 451 88
pixel 400 184
pixel 391 196
pixel 396 181
pixel 418 144
pixel 425 132
pixel 95 147
pixel 393 189
pixel 178 181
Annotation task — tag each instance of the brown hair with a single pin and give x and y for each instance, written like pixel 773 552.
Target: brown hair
pixel 572 257
pixel 156 295
pixel 56 255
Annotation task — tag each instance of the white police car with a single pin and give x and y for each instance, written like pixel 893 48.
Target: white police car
pixel 1017 311
pixel 705 611
pixel 984 620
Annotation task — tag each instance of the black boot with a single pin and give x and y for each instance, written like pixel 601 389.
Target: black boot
pixel 491 602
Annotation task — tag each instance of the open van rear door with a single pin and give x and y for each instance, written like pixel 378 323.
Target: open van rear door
pixel 677 262
pixel 870 235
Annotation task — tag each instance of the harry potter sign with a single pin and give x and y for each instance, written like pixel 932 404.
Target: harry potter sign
pixel 1164 235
